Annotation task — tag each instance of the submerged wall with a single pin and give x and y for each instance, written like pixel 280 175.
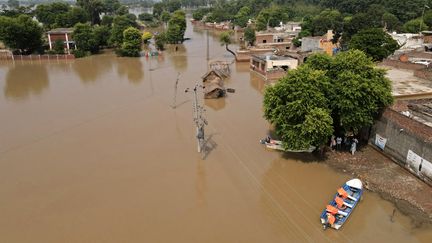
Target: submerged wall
pixel 407 141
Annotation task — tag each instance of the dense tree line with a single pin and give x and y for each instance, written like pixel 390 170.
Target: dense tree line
pixel 22 34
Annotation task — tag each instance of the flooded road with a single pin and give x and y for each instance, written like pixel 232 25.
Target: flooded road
pixel 91 151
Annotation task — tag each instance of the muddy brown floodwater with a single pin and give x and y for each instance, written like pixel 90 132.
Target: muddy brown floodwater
pixel 91 151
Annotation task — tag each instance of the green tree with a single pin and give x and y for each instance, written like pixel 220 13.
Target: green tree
pixel 145 17
pixel 158 8
pixel 359 90
pixel 374 42
pixel 160 41
pixel 200 13
pixel 391 22
pixel 326 94
pixel 122 10
pixel 85 39
pixel 93 8
pixel 294 104
pixel 102 34
pixel 173 5
pixel 131 46
pixel 249 36
pixel 242 17
pixel 120 24
pixel 165 16
pixel 21 34
pixel 326 20
pixel 414 26
pixel 107 20
pixel 58 47
pixel 110 6
pixel 271 17
pixel 176 27
pixel 225 40
pixel 48 14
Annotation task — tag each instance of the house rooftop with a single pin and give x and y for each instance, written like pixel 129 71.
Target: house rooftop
pixel 271 57
pixel 61 31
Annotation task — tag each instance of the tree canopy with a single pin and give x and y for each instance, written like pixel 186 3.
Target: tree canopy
pixel 131 46
pixel 176 27
pixel 375 43
pixel 21 34
pixel 326 95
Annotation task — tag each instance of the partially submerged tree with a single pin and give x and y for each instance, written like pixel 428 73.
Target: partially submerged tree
pixel 225 40
pixel 84 38
pixel 326 95
pixel 131 46
pixel 294 102
pixel 176 27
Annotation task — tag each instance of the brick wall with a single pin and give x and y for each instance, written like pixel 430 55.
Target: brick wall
pixel 403 134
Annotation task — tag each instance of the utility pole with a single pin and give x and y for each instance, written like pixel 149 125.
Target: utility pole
pixel 175 91
pixel 199 120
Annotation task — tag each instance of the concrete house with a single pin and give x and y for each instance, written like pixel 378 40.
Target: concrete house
pixel 272 67
pixel 63 34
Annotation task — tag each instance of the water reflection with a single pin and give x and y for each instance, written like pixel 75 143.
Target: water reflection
pixel 215 104
pixel 25 80
pixel 201 184
pixel 90 68
pixel 132 68
pixel 178 56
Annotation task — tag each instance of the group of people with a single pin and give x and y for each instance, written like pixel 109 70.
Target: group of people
pixel 345 143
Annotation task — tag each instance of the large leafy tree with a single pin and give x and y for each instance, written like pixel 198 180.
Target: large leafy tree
pixel 293 104
pixel 85 38
pixel 326 94
pixel 271 17
pixel 176 27
pixel 249 35
pixel 22 34
pixel 414 26
pixel 375 43
pixel 242 17
pixel 120 24
pixel 110 6
pixel 131 46
pixel 359 90
pixel 48 14
pixel 93 8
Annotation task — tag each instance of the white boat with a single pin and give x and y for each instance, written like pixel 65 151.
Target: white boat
pixel 340 208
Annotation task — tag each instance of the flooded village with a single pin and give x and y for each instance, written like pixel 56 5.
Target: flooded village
pixel 103 148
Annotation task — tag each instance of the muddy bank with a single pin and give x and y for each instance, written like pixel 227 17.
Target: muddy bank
pixel 392 182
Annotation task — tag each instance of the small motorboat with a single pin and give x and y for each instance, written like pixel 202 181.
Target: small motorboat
pixel 277 145
pixel 342 205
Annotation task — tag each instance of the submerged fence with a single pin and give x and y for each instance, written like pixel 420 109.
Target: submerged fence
pixel 9 57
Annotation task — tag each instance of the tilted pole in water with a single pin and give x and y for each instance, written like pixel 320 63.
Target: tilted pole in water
pixel 175 91
pixel 199 120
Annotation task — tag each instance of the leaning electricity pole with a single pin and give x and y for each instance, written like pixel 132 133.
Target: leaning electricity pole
pixel 198 118
pixel 174 105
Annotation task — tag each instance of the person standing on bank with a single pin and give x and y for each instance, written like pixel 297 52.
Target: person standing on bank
pixel 354 146
pixel 338 143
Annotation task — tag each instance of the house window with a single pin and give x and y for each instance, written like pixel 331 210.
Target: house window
pixel 264 41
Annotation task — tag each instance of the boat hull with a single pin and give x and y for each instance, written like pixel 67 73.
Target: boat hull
pixel 354 189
